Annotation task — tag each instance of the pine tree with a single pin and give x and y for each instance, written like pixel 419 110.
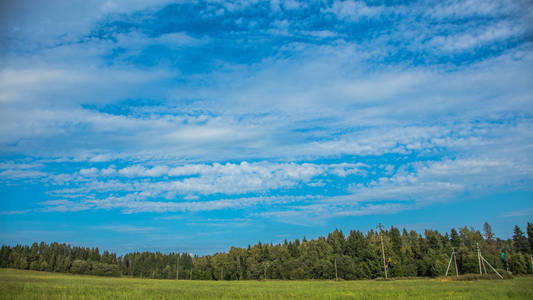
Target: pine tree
pixel 455 239
pixel 520 243
pixel 530 236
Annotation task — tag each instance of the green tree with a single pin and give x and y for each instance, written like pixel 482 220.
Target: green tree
pixel 455 239
pixel 530 236
pixel 520 243
pixel 337 241
pixel 518 263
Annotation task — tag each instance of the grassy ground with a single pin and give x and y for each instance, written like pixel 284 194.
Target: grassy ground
pixel 19 284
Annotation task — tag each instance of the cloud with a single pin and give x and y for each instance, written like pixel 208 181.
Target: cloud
pixel 89 172
pixel 412 186
pixel 203 179
pixel 473 8
pixel 14 212
pixel 16 171
pixel 426 184
pixel 465 41
pixel 63 206
pixel 130 204
pixel 353 10
pixel 125 228
pixel 518 213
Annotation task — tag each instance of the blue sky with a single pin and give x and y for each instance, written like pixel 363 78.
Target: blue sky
pixel 195 126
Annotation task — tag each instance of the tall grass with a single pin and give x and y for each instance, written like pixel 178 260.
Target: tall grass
pixel 19 284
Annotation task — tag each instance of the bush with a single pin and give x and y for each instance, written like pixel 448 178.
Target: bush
pixel 103 269
pixel 80 267
pixel 471 277
pixel 34 265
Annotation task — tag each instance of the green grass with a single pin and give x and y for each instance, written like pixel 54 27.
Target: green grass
pixel 20 284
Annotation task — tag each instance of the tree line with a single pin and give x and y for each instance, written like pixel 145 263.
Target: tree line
pixel 353 256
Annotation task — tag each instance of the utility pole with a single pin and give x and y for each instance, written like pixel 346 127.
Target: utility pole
pixel 485 261
pixel 382 250
pixel 450 263
pixel 479 258
pixel 178 267
pixel 336 275
pixel 455 261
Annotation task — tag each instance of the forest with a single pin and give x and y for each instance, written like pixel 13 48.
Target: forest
pixel 353 256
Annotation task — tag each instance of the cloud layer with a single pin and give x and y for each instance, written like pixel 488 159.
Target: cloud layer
pixel 315 109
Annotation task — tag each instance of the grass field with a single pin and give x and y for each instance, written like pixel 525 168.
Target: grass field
pixel 19 284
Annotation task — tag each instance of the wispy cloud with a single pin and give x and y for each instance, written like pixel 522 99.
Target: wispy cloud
pixel 528 212
pixel 125 228
pixel 14 212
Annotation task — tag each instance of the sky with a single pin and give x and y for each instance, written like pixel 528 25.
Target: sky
pixel 196 126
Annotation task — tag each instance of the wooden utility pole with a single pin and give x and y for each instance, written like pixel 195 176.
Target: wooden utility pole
pixel 383 250
pixel 482 259
pixel 485 261
pixel 455 261
pixel 479 259
pixel 450 263
pixel 178 267
pixel 336 275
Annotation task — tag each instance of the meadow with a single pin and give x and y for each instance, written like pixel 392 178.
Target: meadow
pixel 22 284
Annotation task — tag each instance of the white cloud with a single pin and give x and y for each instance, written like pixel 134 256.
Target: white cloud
pixel 213 179
pixel 130 204
pixel 528 212
pixel 426 184
pixel 125 228
pixel 470 8
pixel 89 172
pixel 468 40
pixel 413 185
pixel 353 10
pixel 10 170
pixel 14 212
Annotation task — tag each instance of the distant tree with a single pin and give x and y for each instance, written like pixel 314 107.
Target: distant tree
pixel 518 263
pixel 44 266
pixel 23 264
pixel 520 243
pixel 34 265
pixel 337 241
pixel 530 235
pixel 94 255
pixel 80 267
pixel 489 236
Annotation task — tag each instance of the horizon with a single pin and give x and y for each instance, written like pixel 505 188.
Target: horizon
pixel 345 234
pixel 199 126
